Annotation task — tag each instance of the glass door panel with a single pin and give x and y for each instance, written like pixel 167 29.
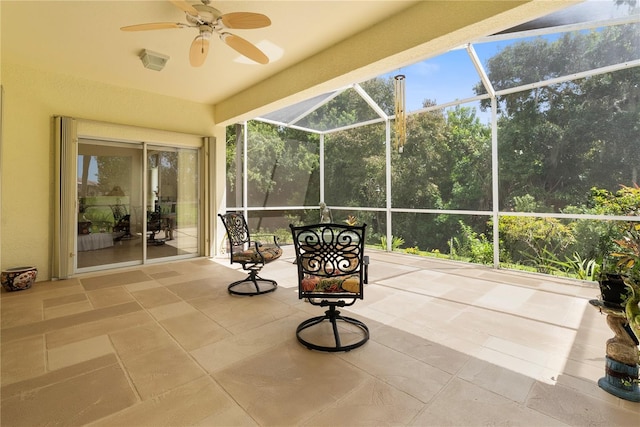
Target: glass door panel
pixel 172 202
pixel 109 205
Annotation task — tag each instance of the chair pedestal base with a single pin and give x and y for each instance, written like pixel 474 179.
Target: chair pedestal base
pixel 252 285
pixel 333 316
pixel 155 242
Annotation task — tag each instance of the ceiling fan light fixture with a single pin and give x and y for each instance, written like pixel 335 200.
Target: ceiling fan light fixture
pixel 207 20
pixel 205 32
pixel 153 60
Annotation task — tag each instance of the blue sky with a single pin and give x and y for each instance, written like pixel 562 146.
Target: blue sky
pixel 451 76
pixel 445 78
pixel 93 168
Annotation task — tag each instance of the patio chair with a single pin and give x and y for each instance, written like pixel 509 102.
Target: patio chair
pixel 122 225
pixel 332 271
pixel 252 255
pixel 154 226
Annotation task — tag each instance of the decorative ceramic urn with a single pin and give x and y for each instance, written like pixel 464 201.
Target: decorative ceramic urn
pixel 18 278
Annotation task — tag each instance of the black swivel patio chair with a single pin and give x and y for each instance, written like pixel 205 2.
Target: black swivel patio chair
pixel 122 222
pixel 251 254
pixel 332 271
pixel 154 226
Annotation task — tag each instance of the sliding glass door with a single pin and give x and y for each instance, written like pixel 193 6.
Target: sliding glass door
pixel 109 204
pixel 136 203
pixel 172 202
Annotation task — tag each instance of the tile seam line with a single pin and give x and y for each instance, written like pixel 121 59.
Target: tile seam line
pixel 482 307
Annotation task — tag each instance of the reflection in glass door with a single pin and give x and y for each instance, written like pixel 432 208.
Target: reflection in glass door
pixel 127 217
pixel 109 204
pixel 172 202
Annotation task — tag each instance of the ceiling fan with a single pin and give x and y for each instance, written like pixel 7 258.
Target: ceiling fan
pixel 209 20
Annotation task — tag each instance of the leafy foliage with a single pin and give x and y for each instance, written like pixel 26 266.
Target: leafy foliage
pixel 396 242
pixel 576 266
pixel 476 247
pixel 557 141
pixel 628 253
pixel 567 147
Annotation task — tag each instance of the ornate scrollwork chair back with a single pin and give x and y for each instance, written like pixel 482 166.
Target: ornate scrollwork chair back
pixel 332 271
pixel 154 226
pixel 122 222
pixel 251 254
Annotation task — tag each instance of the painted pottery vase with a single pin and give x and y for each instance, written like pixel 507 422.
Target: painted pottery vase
pixel 18 278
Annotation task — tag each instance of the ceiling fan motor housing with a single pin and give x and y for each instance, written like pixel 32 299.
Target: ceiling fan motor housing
pixel 206 15
pixel 208 20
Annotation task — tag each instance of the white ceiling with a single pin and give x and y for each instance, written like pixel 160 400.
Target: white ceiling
pixel 83 38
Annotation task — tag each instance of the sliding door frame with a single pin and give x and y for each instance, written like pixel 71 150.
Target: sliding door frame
pixel 67 131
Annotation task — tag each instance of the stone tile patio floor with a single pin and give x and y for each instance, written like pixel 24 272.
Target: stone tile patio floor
pixel 166 345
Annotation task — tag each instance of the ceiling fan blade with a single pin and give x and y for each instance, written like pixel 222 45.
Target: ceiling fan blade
pixel 198 51
pixel 185 7
pixel 245 20
pixel 245 48
pixel 153 26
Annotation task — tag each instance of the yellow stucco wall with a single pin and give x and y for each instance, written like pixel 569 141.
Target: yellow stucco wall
pixel 31 99
pixel 1 121
pixel 33 96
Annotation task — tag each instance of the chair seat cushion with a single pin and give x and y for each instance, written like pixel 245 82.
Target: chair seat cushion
pixel 268 252
pixel 341 284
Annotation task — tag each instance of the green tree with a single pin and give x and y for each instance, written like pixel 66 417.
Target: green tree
pixel 355 167
pixel 114 171
pixel 469 161
pixel 557 141
pixel 282 165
